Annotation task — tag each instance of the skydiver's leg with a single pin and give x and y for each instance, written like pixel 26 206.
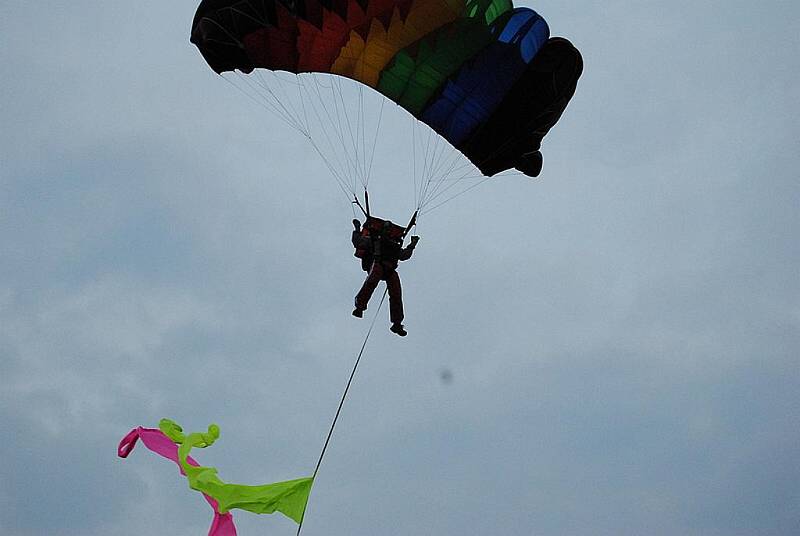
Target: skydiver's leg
pixel 363 296
pixel 395 296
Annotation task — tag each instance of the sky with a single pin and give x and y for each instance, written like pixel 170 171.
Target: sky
pixel 622 333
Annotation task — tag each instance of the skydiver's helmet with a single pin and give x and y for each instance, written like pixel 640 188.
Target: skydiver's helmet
pixel 386 231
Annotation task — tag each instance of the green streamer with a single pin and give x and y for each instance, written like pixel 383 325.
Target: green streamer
pixel 289 497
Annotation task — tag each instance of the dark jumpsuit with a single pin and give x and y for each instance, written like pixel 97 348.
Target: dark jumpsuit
pixel 380 262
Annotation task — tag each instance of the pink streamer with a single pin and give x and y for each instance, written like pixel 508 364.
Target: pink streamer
pixel 155 440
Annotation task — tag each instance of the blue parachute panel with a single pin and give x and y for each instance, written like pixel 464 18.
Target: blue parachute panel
pixel 471 96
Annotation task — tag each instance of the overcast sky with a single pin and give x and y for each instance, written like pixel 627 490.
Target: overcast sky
pixel 623 332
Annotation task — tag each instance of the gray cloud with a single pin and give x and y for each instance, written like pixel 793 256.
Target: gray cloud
pixel 623 333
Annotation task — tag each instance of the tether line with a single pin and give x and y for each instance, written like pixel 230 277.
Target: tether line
pixel 344 396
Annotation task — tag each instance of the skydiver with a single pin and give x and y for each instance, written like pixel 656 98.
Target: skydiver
pixel 379 258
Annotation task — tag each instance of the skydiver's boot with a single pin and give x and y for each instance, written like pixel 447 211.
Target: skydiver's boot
pixel 358 313
pixel 398 328
pixel 530 163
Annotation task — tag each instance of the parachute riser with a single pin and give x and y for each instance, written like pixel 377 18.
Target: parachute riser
pixel 412 222
pixel 357 203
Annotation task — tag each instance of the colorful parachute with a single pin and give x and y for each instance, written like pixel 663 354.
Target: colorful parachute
pixel 169 441
pixel 485 75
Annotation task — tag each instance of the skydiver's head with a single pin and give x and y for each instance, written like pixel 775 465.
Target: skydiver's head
pixel 387 231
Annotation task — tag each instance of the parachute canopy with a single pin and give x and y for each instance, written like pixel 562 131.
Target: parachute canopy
pixel 484 75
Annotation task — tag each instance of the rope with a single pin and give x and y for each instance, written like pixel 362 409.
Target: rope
pixel 344 396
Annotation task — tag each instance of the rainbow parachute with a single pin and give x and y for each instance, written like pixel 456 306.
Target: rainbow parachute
pixel 485 75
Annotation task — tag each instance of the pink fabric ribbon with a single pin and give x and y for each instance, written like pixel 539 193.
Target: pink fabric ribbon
pixel 155 440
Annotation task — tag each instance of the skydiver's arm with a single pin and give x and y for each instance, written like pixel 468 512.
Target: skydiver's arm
pixel 407 251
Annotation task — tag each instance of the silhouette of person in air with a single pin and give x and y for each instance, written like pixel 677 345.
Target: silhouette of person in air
pixel 379 245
